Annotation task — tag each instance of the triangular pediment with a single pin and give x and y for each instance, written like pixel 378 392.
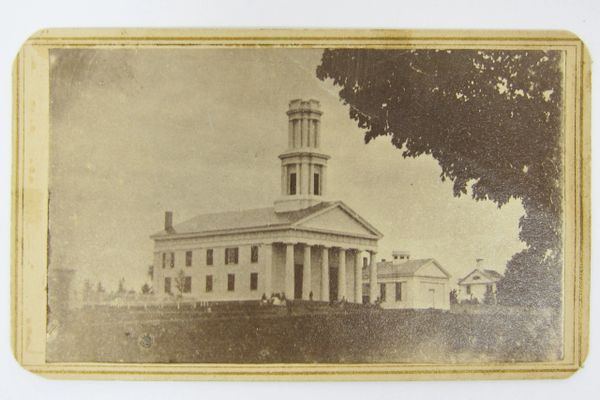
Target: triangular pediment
pixel 341 219
pixel 475 277
pixel 432 269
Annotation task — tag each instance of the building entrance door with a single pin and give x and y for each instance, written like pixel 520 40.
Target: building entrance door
pixel 298 271
pixel 333 284
pixel 432 296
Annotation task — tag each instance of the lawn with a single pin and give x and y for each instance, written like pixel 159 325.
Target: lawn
pixel 305 334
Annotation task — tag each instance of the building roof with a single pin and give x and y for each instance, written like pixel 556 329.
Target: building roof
pixel 253 219
pixel 489 274
pixel 404 269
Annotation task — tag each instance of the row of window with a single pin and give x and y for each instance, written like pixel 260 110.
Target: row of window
pixel 382 291
pixel 316 184
pixel 186 283
pixel 231 257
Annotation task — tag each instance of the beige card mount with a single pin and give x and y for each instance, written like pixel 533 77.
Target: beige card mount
pixel 301 204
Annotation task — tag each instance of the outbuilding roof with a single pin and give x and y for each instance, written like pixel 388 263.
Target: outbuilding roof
pixel 489 274
pixel 405 269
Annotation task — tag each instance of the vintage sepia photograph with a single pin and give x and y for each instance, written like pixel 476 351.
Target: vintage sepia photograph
pixel 222 204
pixel 305 205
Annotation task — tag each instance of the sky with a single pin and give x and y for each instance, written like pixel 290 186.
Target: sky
pixel 136 132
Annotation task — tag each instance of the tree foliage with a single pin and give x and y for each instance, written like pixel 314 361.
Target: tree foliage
pixel 491 119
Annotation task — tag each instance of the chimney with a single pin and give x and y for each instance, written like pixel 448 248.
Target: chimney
pixel 168 221
pixel 479 263
pixel 400 256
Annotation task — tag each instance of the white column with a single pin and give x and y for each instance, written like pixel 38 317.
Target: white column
pixel 296 133
pixel 310 173
pixel 342 275
pixel 357 278
pixel 291 134
pixel 373 279
pixel 283 175
pixel 309 140
pixel 300 179
pixel 323 180
pixel 267 256
pixel 325 275
pixel 317 135
pixel 306 273
pixel 289 271
pixel 304 130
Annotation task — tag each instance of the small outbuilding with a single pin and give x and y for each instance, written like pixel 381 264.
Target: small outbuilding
pixel 412 284
pixel 480 284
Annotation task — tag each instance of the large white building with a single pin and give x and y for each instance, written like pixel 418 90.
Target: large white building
pixel 414 284
pixel 303 246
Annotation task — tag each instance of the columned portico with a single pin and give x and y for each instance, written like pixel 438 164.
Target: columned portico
pixel 373 278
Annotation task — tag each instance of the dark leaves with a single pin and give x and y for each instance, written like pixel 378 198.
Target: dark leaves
pixel 492 120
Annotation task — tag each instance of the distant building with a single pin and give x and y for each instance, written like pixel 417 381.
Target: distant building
pixel 479 283
pixel 303 246
pixel 406 283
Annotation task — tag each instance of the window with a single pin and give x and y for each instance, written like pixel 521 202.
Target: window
pixel 316 184
pixel 365 262
pixel 254 254
pixel 209 257
pixel 489 289
pixel 476 278
pixel 468 289
pixel 167 285
pixel 398 291
pixel 382 292
pixel 209 283
pixel 230 282
pixel 293 183
pixel 164 260
pixel 172 260
pixel 188 258
pixel 187 284
pixel 253 281
pixel 231 255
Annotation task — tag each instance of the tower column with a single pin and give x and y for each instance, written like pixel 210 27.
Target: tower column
pixel 325 274
pixel 296 133
pixel 304 132
pixel 373 278
pixel 289 271
pixel 284 174
pixel 300 179
pixel 323 178
pixel 309 141
pixel 342 275
pixel 306 273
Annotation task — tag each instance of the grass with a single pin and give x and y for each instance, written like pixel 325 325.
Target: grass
pixel 309 334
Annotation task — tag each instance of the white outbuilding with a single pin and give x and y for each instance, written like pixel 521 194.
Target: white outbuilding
pixel 481 284
pixel 412 284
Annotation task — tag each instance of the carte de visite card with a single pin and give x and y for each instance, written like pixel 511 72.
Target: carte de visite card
pixel 301 204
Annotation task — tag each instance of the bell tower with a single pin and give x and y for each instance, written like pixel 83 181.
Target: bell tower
pixel 303 165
